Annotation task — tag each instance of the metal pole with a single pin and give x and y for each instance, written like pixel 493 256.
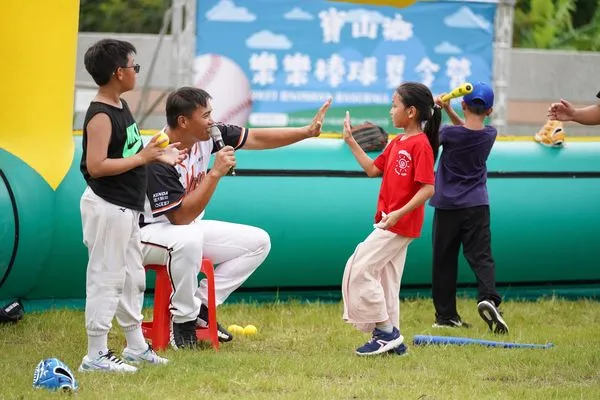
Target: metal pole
pixel 146 86
pixel 502 47
pixel 183 33
pixel 183 27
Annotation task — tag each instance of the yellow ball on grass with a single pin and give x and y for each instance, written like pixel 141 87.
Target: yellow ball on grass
pixel 250 330
pixel 235 329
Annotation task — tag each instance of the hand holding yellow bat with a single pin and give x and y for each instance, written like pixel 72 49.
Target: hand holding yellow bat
pixel 459 91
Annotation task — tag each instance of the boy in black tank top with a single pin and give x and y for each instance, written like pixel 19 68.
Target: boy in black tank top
pixel 113 164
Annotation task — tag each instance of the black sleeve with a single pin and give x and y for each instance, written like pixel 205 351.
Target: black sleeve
pixel 165 191
pixel 598 95
pixel 234 136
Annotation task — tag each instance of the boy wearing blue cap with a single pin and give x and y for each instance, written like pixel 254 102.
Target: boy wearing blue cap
pixel 462 213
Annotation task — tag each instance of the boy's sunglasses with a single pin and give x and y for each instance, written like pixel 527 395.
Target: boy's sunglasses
pixel 136 68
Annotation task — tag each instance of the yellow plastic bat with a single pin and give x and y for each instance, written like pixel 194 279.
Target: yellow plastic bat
pixel 459 91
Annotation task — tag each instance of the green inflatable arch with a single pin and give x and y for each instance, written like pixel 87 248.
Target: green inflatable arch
pixel 317 205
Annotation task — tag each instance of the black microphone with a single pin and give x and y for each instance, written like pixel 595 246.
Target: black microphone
pixel 217 137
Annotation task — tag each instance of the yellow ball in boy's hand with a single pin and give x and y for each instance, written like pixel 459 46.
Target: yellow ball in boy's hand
pixel 235 329
pixel 250 330
pixel 160 137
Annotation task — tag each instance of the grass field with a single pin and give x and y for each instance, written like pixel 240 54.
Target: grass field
pixel 305 351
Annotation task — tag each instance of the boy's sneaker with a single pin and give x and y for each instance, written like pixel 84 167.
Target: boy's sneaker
pixel 454 322
pixel 381 342
pixel 202 322
pixel 148 355
pixel 401 350
pixel 492 316
pixel 108 362
pixel 184 335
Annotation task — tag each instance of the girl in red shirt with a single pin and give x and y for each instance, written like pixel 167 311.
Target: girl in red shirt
pixel 371 283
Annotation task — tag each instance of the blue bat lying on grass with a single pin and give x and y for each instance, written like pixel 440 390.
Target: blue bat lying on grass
pixel 427 339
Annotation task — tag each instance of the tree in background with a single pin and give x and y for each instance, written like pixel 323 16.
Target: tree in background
pixel 541 24
pixel 557 24
pixel 122 16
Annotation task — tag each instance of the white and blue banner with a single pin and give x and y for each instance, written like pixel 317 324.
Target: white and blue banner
pixel 273 62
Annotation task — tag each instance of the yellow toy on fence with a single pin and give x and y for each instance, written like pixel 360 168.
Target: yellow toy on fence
pixel 552 134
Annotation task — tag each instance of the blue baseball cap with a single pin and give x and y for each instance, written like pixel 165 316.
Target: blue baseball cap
pixel 482 96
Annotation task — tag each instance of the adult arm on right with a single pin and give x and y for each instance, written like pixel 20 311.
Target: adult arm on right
pixel 564 111
pixel 588 116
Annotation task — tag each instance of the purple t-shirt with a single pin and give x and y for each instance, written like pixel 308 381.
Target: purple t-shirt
pixel 461 176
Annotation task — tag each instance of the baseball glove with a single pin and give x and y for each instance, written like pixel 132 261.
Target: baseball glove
pixel 552 134
pixel 370 137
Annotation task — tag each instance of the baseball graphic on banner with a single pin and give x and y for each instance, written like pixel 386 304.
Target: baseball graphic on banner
pixel 228 86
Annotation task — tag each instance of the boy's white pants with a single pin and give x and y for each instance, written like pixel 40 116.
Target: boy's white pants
pixel 236 251
pixel 115 279
pixel 371 283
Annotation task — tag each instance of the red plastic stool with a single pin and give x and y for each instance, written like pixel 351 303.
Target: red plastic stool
pixel 158 330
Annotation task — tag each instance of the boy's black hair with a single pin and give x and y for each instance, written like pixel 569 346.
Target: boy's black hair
pixel 104 57
pixel 184 101
pixel 419 96
pixel 477 107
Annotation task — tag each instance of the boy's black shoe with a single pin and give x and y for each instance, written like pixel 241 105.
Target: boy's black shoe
pixel 202 322
pixel 184 335
pixel 454 322
pixel 492 316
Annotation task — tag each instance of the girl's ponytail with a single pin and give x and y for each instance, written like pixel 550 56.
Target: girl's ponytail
pixel 432 130
pixel 419 96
